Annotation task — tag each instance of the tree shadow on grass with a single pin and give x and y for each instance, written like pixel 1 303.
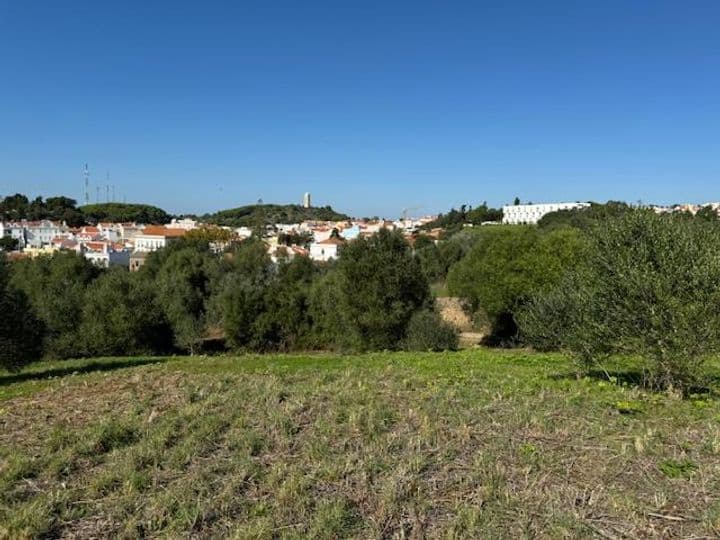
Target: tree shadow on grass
pixel 63 371
pixel 636 378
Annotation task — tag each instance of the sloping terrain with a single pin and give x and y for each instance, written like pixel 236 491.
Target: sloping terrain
pixel 459 445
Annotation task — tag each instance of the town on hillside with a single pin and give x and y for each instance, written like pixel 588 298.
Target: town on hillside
pixel 127 244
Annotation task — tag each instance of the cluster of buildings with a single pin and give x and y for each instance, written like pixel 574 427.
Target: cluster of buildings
pixel 128 244
pixel 687 207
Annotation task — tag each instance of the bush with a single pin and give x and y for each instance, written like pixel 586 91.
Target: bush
pixel 121 316
pixel 369 296
pixel 427 331
pixel 20 331
pixel 651 288
pixel 55 287
pixel 507 266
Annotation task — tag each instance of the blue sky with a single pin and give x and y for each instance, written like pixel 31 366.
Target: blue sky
pixel 371 106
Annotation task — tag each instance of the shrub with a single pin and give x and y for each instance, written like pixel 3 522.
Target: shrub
pixel 20 331
pixel 55 287
pixel 426 331
pixel 371 293
pixel 651 288
pixel 507 266
pixel 121 316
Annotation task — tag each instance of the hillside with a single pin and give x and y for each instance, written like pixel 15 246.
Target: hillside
pixel 123 212
pixel 475 444
pixel 252 215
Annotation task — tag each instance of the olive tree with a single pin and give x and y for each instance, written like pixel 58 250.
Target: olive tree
pixel 651 288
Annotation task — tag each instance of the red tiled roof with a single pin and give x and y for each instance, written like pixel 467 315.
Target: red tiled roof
pixel 332 241
pixel 155 230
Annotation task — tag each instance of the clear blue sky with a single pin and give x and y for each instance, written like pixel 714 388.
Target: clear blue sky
pixel 371 106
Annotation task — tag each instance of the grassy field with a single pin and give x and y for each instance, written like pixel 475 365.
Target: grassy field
pixel 478 443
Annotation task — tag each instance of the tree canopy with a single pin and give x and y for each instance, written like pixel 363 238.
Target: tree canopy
pixel 270 214
pixel 122 212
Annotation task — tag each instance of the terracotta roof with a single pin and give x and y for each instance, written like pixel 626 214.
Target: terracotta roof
pixel 155 230
pixel 332 241
pixel 95 246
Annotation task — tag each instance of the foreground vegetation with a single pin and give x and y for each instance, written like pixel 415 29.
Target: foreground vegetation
pixel 471 444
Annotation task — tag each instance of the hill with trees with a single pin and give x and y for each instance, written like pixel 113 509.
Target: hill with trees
pixel 269 214
pixel 18 207
pixel 123 212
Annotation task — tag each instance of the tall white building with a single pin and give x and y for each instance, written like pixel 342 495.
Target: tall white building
pixel 306 200
pixel 522 214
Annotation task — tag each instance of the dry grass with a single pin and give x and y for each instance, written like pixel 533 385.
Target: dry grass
pixel 464 445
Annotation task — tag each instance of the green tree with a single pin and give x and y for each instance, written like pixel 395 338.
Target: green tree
pixel 426 331
pixel 183 285
pixel 707 213
pixel 507 265
pixel 55 286
pixel 651 288
pixel 20 330
pixel 8 244
pixel 376 287
pixel 240 295
pixel 121 316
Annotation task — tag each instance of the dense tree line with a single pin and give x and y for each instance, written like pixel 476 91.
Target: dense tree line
pixel 18 207
pixel 584 218
pixel 255 215
pixel 124 213
pixel 374 297
pixel 611 280
pixel 648 286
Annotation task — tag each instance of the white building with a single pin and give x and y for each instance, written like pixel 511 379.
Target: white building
pixel 307 202
pixel 184 223
pixel 105 255
pixel 155 237
pixel 523 214
pixel 13 230
pixel 41 233
pixel 326 250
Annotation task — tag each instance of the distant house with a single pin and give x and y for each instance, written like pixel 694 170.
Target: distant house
pixel 155 237
pixel 106 254
pixel 14 230
pixel 326 250
pixel 41 233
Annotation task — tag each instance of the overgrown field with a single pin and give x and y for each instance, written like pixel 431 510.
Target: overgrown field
pixel 471 444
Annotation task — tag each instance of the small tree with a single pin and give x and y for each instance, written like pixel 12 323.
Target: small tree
pixel 121 316
pixel 426 331
pixel 651 288
pixel 375 288
pixel 509 264
pixel 20 330
pixel 55 287
pixel 183 286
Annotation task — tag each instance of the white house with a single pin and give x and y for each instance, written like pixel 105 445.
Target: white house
pixel 105 254
pixel 13 230
pixel 523 214
pixel 326 250
pixel 41 233
pixel 154 237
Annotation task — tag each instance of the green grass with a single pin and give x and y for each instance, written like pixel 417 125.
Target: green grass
pixel 481 443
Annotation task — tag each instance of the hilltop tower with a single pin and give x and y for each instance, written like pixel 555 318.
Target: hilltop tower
pixel 306 200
